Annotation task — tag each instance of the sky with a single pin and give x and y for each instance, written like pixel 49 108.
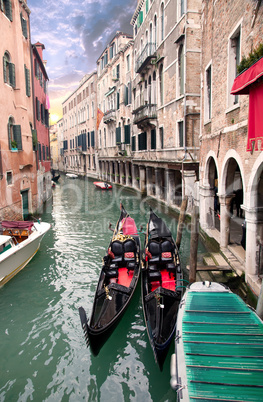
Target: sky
pixel 75 33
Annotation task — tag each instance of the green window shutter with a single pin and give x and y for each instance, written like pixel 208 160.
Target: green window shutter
pixel 118 72
pixel 23 25
pixel 140 18
pixel 153 139
pixel 8 10
pixel 34 139
pixel 17 136
pixel 127 132
pixel 45 86
pixel 126 96
pixel 88 139
pixel 2 5
pixel 38 109
pixel 111 52
pixel 27 77
pixel 142 141
pixel 92 139
pixel 43 152
pixel 12 75
pixel 4 67
pixel 46 118
pixel 118 135
pixel 9 135
pixel 133 143
pixel 118 100
pixel 147 6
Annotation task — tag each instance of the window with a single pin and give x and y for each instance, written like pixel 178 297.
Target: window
pixel 147 6
pixel 127 134
pixel 155 30
pixel 38 109
pixel 142 141
pixel 118 100
pixel 14 135
pixel 6 7
pixel 182 7
pixel 207 94
pixel 128 63
pixel 118 72
pixel 140 19
pixel 24 25
pixel 234 60
pixel 162 22
pixel 161 137
pixel 43 152
pixel 39 152
pixel 9 70
pixel 134 143
pixel 181 68
pixel 161 83
pixel 118 135
pixel 181 133
pixel 153 139
pixel 92 139
pixel 9 178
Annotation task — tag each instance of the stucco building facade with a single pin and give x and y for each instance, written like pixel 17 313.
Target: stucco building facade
pixel 18 165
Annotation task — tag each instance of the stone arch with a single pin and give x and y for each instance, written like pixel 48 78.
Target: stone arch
pixel 254 195
pixel 231 159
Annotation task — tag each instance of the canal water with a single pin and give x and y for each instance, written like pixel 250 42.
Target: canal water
pixel 43 352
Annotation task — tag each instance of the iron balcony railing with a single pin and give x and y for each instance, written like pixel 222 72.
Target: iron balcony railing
pixel 146 55
pixel 146 112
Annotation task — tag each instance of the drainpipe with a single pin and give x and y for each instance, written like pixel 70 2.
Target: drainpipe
pixel 185 42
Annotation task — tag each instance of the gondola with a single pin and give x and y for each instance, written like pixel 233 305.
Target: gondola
pixel 102 185
pixel 161 286
pixel 117 282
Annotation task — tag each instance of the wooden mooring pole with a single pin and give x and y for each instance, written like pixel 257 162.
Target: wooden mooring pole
pixel 194 243
pixel 180 226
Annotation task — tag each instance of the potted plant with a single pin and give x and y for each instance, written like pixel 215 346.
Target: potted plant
pixel 14 145
pixel 137 178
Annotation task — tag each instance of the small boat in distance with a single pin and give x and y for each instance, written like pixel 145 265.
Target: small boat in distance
pixel 218 347
pixel 102 185
pixel 71 175
pixel 18 245
pixel 117 282
pixel 161 286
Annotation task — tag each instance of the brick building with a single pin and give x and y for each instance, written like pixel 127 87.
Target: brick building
pixel 18 179
pixel 230 30
pixel 41 116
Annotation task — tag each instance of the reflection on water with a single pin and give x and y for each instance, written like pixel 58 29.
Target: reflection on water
pixel 43 352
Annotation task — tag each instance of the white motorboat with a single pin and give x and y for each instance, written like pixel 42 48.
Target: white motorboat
pixel 72 175
pixel 18 245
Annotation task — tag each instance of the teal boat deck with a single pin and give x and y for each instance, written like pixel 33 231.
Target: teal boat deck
pixel 223 348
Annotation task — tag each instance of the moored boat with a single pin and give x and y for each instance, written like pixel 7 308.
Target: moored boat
pixel 117 282
pixel 161 286
pixel 218 347
pixel 55 178
pixel 71 175
pixel 18 245
pixel 102 185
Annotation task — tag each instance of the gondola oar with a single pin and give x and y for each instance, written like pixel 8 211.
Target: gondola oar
pixel 84 324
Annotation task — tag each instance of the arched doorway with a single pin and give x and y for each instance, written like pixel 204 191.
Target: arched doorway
pixel 209 200
pixel 231 200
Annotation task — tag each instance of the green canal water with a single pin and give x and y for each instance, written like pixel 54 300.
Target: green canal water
pixel 43 352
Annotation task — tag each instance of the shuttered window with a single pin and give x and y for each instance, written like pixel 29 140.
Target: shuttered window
pixel 47 152
pixel 6 7
pixel 27 78
pixel 88 139
pixel 118 135
pixel 42 113
pixel 153 139
pixel 126 96
pixel 140 18
pixel 24 26
pixel 39 152
pixel 34 140
pixel 133 143
pixel 127 134
pixel 181 133
pixel 44 153
pixel 142 141
pixel 92 139
pixel 118 100
pixel 118 72
pixel 38 109
pixel 46 118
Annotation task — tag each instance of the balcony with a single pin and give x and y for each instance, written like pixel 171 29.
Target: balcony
pixel 145 57
pixel 109 116
pixel 145 115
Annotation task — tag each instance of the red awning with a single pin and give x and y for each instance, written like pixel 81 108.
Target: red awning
pixel 243 82
pixel 250 82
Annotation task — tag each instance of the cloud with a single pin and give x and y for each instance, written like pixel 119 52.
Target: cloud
pixel 75 33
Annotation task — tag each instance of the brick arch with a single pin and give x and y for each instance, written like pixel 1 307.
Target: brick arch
pixel 254 194
pixel 231 160
pixel 211 164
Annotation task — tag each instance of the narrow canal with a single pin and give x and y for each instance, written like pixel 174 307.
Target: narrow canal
pixel 43 352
